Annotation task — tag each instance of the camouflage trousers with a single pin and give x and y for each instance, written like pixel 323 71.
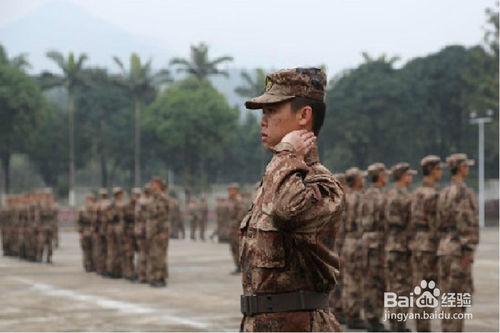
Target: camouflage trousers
pixel 178 230
pixel 30 243
pixel 114 252
pixel 373 283
pixel 424 267
pixel 128 256
pixel 86 245
pixel 299 321
pixel 44 244
pixel 157 260
pixel 398 280
pixel 194 225
pixel 142 259
pixel 352 259
pixel 453 278
pixel 99 252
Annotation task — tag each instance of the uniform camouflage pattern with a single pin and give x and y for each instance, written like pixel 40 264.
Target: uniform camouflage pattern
pixel 157 236
pixel 352 256
pixel 372 225
pixel 423 246
pixel 397 254
pixel 459 235
pixel 281 243
pixel 289 83
pixel 235 213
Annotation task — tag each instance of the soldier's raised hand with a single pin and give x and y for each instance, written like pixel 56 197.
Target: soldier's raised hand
pixel 301 140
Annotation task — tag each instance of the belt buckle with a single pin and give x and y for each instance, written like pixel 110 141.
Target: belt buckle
pixel 248 304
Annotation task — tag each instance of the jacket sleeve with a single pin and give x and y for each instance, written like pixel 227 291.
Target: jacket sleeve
pixel 298 199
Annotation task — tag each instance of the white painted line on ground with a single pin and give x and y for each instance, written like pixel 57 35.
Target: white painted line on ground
pixel 106 303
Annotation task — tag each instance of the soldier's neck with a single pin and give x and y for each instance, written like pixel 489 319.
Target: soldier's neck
pixel 457 179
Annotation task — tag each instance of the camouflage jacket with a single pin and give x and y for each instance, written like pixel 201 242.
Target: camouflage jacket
pixel 397 219
pixel 159 215
pixel 84 220
pixel 372 217
pixel 142 214
pixel 235 213
pixel 457 220
pixel 353 213
pixel 282 236
pixel 423 215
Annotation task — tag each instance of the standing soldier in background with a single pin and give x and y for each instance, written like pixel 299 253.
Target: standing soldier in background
pixel 221 217
pixel 203 216
pixel 158 234
pixel 193 208
pixel 50 222
pixel 142 215
pixel 235 213
pixel 100 248
pixel 115 234
pixel 335 240
pixel 423 217
pixel 352 251
pixel 176 219
pixel 372 223
pixel 288 271
pixel 397 253
pixel 85 231
pixel 129 242
pixel 459 228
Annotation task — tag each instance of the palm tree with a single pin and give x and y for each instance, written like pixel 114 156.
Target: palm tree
pixel 199 64
pixel 71 78
pixel 254 85
pixel 140 83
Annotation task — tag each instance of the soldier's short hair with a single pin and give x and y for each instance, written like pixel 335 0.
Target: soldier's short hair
pixel 318 110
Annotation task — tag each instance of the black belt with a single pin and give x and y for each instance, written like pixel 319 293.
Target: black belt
pixel 448 229
pixel 422 227
pixel 294 301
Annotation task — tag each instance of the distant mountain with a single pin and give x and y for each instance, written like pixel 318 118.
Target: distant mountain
pixel 63 26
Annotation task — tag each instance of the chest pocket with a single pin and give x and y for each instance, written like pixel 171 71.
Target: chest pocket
pixel 265 243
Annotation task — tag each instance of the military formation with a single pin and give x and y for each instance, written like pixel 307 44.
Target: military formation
pixel 392 239
pixel 29 226
pixel 129 238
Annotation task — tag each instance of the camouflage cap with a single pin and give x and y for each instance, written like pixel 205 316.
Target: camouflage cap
pixel 456 159
pixel 355 172
pixel 233 185
pixel 117 190
pixel 286 84
pixel 136 191
pixel 400 169
pixel 376 168
pixel 430 160
pixel 103 191
pixel 160 182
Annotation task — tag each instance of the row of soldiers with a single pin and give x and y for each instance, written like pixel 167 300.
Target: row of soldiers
pixel 29 226
pixel 392 240
pixel 129 238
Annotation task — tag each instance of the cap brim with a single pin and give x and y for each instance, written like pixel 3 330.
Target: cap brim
pixel 471 162
pixel 265 99
pixel 412 172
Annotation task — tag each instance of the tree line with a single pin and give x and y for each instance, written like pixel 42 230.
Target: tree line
pixel 87 125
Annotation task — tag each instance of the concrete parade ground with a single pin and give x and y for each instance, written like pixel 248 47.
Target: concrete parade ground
pixel 201 294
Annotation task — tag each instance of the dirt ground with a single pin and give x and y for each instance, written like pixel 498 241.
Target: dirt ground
pixel 201 294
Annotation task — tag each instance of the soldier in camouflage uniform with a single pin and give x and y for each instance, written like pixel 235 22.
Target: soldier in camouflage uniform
pixel 176 218
pixel 129 242
pixel 397 254
pixel 221 218
pixel 335 240
pixel 194 213
pixel 99 232
pixel 158 234
pixel 85 231
pixel 459 235
pixel 203 216
pixel 372 225
pixel 142 215
pixel 50 222
pixel 235 212
pixel 115 231
pixel 352 250
pixel 288 271
pixel 423 219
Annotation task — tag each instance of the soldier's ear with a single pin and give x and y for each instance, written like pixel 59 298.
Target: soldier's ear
pixel 305 115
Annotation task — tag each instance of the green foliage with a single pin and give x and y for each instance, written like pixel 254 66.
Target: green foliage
pixel 199 64
pixel 254 86
pixel 189 126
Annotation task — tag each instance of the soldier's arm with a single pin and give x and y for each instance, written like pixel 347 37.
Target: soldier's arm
pixel 298 199
pixel 467 222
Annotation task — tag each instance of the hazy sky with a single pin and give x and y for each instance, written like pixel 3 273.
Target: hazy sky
pixel 286 33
